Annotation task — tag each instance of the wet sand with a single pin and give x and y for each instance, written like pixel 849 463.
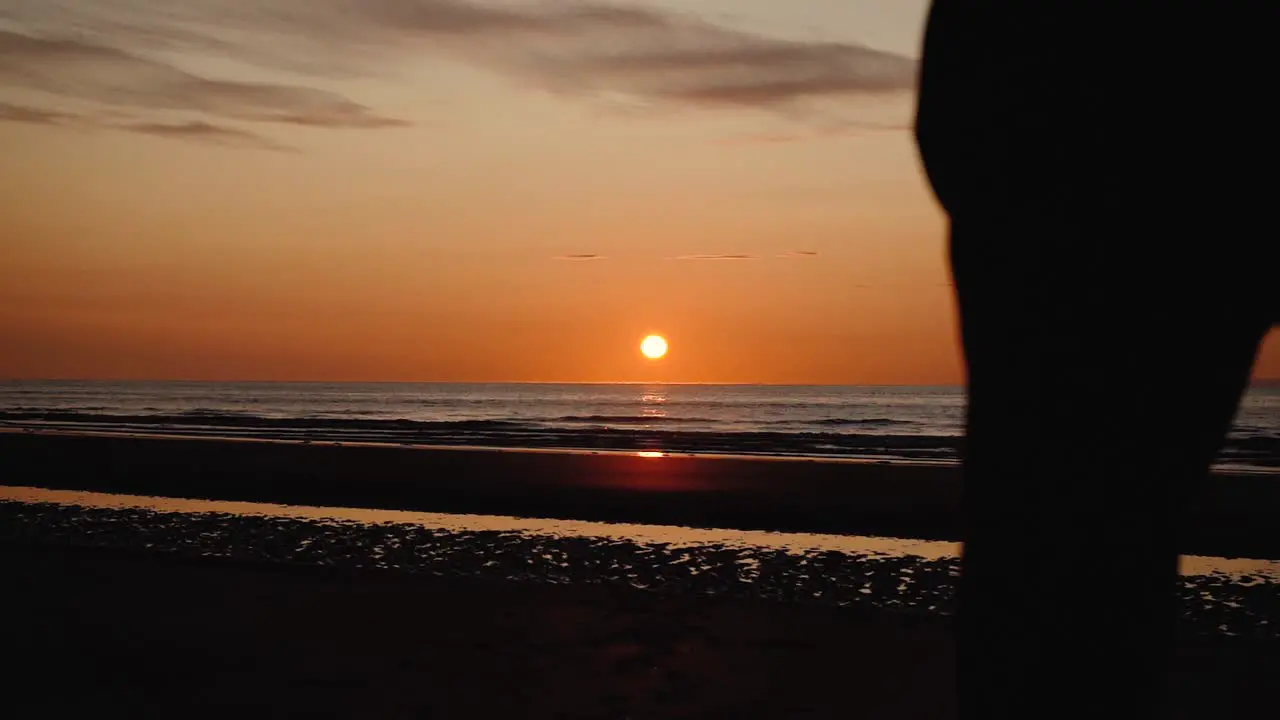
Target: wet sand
pixel 1234 518
pixel 100 631
pixel 204 612
pixel 1216 597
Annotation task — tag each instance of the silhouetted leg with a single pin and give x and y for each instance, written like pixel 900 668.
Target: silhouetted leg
pixel 1094 412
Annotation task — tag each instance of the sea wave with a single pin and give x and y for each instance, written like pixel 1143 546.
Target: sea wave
pixel 226 418
pixel 631 419
pixel 215 413
pixel 862 421
pixel 676 420
pixel 875 441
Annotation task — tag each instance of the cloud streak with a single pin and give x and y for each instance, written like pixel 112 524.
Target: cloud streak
pixel 11 112
pixel 579 257
pixel 201 131
pixel 587 49
pixel 98 73
pixel 195 130
pixel 799 255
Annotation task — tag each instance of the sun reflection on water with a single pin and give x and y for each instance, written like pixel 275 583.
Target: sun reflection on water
pixel 652 402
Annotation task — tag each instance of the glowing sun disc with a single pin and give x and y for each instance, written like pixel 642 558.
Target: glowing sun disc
pixel 654 347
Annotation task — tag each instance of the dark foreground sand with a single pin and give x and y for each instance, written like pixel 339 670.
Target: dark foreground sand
pixel 97 631
pixel 1234 516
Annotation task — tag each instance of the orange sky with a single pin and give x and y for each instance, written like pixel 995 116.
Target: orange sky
pixel 400 200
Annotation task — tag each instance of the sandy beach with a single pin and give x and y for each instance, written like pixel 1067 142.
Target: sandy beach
pixel 636 360
pixel 203 612
pixel 1233 518
pixel 157 637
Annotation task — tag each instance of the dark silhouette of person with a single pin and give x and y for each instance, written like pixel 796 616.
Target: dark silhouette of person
pixel 1102 167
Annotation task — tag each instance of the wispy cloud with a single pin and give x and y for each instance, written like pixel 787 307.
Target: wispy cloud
pixel 775 138
pixel 830 131
pixel 583 48
pixel 11 112
pixel 87 71
pixel 202 131
pixel 579 257
pixel 197 130
pixel 799 255
pixel 716 257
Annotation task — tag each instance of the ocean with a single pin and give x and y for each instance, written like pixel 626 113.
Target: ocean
pixel 898 423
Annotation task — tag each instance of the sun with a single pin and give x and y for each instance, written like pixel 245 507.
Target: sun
pixel 653 347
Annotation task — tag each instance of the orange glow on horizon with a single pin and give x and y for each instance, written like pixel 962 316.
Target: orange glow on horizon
pixel 508 235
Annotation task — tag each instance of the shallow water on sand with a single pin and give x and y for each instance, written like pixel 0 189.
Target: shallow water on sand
pixel 1219 595
pixel 671 535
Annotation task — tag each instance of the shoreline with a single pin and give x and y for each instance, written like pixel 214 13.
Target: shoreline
pixel 764 457
pixel 919 501
pixel 753 457
pixel 878 439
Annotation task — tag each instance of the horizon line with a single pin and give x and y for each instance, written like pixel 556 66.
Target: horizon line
pixel 1252 381
pixel 470 382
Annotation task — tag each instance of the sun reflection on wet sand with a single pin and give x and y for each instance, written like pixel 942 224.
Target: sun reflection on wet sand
pixel 672 535
pixel 675 537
